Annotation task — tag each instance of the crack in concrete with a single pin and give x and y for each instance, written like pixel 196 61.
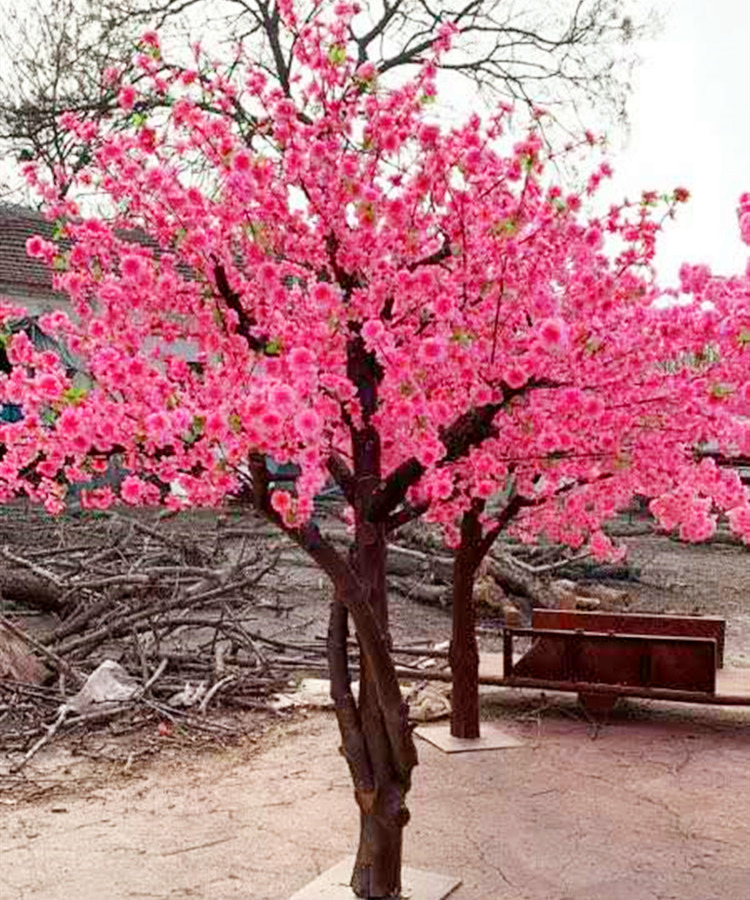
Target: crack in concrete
pixel 482 855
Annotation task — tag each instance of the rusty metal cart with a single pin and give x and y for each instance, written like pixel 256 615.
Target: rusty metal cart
pixel 604 656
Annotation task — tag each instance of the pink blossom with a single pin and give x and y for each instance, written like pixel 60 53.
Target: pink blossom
pixel 429 452
pixel 366 72
pixel 601 546
pixel 515 377
pixel 504 338
pixel 100 498
pixel 242 161
pixel 699 527
pixel 441 486
pixel 35 246
pixel 271 421
pixel 136 368
pixel 8 311
pixel 267 273
pixel 485 488
pixel 282 398
pixel 281 501
pixel 553 333
pixel 592 406
pixel 110 76
pixel 308 423
pixel 323 294
pixel 429 134
pixel 739 520
pixel 131 490
pixel 694 278
pixel 49 386
pixel 215 425
pixel 594 238
pixel 745 227
pixel 300 359
pixel 19 349
pixel 48 468
pixel 156 424
pixel 131 267
pixel 372 331
pixel 126 97
pixel 432 350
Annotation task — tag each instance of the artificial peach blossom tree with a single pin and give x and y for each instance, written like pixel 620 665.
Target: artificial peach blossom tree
pixel 334 279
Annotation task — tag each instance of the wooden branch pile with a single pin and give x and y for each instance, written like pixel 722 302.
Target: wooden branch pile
pixel 512 577
pixel 170 604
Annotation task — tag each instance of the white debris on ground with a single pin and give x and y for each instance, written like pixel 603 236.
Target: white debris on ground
pixel 427 702
pixel 108 685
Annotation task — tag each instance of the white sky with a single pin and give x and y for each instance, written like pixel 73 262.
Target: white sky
pixel 690 127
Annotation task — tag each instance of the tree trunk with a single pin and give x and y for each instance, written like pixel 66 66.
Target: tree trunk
pixel 376 736
pixel 377 868
pixel 464 652
pixel 384 741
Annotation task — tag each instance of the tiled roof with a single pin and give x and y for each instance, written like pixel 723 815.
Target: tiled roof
pixel 19 275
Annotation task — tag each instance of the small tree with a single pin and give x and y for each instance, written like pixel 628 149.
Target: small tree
pixel 625 393
pixel 339 283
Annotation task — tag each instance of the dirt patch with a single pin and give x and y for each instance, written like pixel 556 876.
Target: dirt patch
pixel 655 806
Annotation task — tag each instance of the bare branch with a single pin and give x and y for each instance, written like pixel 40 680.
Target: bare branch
pixel 577 52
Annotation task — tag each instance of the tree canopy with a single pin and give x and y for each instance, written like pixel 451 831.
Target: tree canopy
pixel 482 297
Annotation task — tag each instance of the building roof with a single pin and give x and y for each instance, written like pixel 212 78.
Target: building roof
pixel 21 277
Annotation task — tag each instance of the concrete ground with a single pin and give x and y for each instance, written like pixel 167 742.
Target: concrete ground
pixel 654 806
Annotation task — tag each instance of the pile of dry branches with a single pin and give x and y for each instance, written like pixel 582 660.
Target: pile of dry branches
pixel 513 575
pixel 169 602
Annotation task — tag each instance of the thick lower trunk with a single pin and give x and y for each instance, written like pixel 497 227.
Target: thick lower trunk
pixel 464 653
pixel 379 791
pixel 380 758
pixel 377 868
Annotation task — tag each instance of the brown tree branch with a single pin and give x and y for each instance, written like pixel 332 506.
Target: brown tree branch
pixel 406 514
pixel 245 322
pixel 342 475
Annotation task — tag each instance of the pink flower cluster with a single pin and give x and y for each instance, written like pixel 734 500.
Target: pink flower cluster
pixel 472 287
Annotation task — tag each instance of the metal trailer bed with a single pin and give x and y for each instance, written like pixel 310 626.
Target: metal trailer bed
pixel 605 656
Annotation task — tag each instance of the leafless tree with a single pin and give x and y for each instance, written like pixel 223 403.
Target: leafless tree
pixel 52 56
pixel 563 56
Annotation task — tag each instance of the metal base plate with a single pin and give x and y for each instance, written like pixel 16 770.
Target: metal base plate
pixel 417 885
pixel 491 737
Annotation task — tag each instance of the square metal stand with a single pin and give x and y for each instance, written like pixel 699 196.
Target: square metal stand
pixel 417 885
pixel 491 737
